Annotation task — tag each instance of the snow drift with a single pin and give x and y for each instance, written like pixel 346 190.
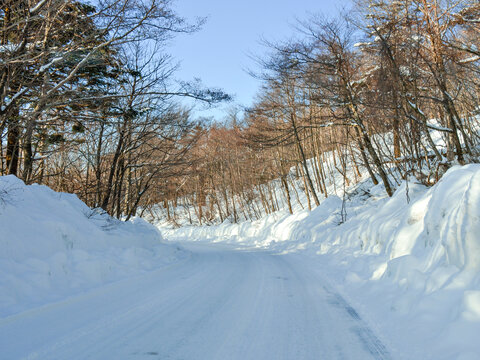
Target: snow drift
pixel 53 245
pixel 411 263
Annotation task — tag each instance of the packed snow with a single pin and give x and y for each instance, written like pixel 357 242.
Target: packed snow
pixel 220 303
pixel 390 278
pixel 77 284
pixel 410 263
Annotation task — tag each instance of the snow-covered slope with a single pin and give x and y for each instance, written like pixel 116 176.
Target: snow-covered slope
pixel 411 263
pixel 52 245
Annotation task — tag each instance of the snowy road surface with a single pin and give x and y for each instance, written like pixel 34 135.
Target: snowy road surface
pixel 219 303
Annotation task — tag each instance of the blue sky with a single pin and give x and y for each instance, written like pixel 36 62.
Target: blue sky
pixel 219 53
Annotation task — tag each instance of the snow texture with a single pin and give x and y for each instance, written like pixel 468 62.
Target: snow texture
pixel 409 263
pixel 52 246
pixel 405 269
pixel 220 303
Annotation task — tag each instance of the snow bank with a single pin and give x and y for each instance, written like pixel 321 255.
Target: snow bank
pixel 52 245
pixel 411 263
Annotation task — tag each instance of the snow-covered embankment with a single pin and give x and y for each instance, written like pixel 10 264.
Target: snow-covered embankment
pixel 52 246
pixel 410 263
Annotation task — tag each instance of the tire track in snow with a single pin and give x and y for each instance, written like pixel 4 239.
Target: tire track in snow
pixel 221 304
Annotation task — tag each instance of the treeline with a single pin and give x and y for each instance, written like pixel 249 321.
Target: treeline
pixel 87 100
pixel 88 105
pixel 388 90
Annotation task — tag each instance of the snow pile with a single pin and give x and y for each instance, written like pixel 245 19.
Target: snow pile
pixel 52 245
pixel 411 263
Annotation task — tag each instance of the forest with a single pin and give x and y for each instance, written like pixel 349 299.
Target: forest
pixel 89 105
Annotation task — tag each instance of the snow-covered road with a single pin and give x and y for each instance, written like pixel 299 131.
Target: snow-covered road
pixel 219 303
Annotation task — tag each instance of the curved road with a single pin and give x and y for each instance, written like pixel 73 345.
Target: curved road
pixel 220 303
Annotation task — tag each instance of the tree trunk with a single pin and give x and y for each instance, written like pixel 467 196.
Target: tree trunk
pixel 364 157
pixel 116 157
pixel 13 144
pixel 287 192
pixel 304 161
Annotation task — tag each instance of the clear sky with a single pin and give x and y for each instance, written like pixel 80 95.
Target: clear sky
pixel 219 53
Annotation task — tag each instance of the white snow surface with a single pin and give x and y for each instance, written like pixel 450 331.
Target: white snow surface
pixel 76 284
pixel 220 303
pixel 410 264
pixel 52 246
pixel 399 279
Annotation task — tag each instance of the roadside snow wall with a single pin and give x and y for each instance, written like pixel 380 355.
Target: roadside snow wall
pixel 410 263
pixel 52 245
